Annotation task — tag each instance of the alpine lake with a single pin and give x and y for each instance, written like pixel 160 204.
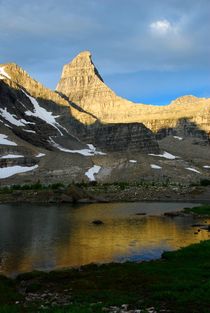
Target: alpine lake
pixel 48 237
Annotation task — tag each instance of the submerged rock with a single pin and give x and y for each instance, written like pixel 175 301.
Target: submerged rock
pixel 172 214
pixel 97 222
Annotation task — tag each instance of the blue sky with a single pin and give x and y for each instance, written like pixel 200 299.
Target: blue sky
pixel 147 51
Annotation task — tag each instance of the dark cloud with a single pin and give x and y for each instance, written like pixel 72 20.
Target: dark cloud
pixel 128 39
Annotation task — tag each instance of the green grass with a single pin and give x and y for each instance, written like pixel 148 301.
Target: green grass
pixel 200 210
pixel 180 282
pixel 36 186
pixel 101 186
pixel 205 182
pixel 95 308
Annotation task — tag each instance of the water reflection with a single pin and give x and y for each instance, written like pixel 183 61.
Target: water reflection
pixel 48 237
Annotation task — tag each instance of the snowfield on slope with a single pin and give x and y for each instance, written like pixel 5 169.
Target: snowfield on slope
pixel 12 156
pixel 92 171
pixel 192 170
pixel 155 167
pixel 43 114
pixel 132 161
pixel 178 138
pixel 11 118
pixel 5 141
pixel 16 169
pixel 165 155
pixel 40 155
pixel 86 152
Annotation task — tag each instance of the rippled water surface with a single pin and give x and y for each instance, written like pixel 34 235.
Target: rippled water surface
pixel 49 237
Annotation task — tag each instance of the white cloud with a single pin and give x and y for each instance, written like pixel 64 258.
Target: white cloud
pixel 161 27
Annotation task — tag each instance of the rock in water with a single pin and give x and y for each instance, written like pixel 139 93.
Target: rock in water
pixel 97 222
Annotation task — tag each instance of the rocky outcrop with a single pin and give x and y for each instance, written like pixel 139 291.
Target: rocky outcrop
pixel 121 137
pixel 81 79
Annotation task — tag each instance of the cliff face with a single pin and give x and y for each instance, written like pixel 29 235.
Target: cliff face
pixel 133 137
pixel 81 83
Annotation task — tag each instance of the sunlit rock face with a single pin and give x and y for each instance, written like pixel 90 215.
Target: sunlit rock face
pixel 80 79
pixel 82 84
pixel 56 116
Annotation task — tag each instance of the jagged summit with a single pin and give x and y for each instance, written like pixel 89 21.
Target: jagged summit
pixel 80 79
pixel 81 63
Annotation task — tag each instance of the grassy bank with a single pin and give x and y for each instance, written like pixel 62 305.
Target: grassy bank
pixel 202 210
pixel 180 282
pixel 98 192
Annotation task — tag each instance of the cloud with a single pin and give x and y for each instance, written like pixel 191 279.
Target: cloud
pixel 161 27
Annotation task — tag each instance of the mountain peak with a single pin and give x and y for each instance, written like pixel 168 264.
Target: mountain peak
pixel 81 65
pixel 82 59
pixel 84 54
pixel 80 77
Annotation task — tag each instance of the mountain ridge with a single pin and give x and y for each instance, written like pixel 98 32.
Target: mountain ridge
pixel 92 94
pixel 84 123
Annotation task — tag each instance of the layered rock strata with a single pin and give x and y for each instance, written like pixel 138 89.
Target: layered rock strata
pixel 81 83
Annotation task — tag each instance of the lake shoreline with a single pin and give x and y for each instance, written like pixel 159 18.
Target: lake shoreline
pixel 107 193
pixel 116 287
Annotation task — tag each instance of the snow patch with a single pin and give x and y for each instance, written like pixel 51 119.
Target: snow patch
pixel 192 170
pixel 12 156
pixel 12 170
pixel 26 122
pixel 178 138
pixel 93 149
pixel 43 114
pixel 85 152
pixel 5 141
pixel 206 166
pixel 29 131
pixel 3 73
pixel 165 155
pixel 155 167
pixel 5 124
pixel 39 155
pixel 11 117
pixel 92 171
pixel 132 161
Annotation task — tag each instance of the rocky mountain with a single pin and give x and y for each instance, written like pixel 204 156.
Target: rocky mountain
pixel 84 131
pixel 81 83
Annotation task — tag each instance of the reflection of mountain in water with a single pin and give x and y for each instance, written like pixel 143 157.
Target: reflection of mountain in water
pixel 54 237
